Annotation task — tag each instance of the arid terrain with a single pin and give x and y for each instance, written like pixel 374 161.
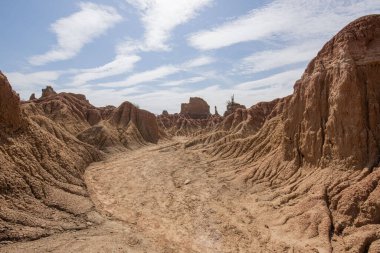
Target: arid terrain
pixel 296 174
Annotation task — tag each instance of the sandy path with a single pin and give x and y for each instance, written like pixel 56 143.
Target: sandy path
pixel 171 196
pixel 161 198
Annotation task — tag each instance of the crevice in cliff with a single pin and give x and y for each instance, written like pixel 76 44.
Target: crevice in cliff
pixel 324 116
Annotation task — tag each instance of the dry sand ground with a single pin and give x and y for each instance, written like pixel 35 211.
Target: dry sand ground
pixel 163 198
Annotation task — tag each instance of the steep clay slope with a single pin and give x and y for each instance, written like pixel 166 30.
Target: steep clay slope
pixel 10 113
pixel 42 161
pixel 41 185
pixel 315 160
pixel 105 128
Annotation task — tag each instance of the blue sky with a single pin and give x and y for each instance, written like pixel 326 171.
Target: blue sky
pixel 158 53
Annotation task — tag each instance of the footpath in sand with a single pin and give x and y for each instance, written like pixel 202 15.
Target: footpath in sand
pixel 160 198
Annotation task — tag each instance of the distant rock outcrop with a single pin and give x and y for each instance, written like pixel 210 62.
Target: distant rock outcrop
pixel 194 118
pixel 144 121
pixel 232 106
pixel 32 97
pixel 48 91
pixel 197 108
pixel 216 113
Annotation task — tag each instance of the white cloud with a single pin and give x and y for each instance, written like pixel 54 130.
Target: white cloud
pixel 281 79
pixel 198 62
pixel 144 77
pixel 119 65
pixel 28 83
pixel 161 17
pixel 183 81
pixel 214 95
pixel 270 59
pixel 103 97
pixel 77 30
pixel 159 73
pixel 285 20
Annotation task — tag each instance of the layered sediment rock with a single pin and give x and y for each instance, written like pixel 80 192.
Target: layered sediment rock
pixel 197 108
pixel 42 190
pixel 48 91
pixel 232 106
pixel 334 113
pixel 145 121
pixel 315 156
pixel 10 112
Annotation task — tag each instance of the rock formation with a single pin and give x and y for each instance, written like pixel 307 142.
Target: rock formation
pixel 43 155
pixel 48 91
pixel 232 106
pixel 307 165
pixel 195 118
pixel 216 111
pixel 10 112
pixel 197 108
pixel 320 124
pixel 315 154
pixel 41 168
pixel 145 121
pixel 32 97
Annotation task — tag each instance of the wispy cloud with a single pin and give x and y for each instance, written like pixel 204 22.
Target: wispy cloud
pixel 160 18
pixel 144 77
pixel 159 73
pixel 282 19
pixel 275 58
pixel 281 79
pixel 215 95
pixel 198 62
pixel 121 64
pixel 77 30
pixel 196 79
pixel 27 83
pixel 102 97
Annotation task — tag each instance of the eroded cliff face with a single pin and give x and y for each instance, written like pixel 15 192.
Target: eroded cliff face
pixel 10 112
pixel 314 159
pixel 144 121
pixel 197 108
pixel 45 146
pixel 41 174
pixel 334 113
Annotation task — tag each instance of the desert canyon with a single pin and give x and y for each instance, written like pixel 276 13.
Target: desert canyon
pixel 296 174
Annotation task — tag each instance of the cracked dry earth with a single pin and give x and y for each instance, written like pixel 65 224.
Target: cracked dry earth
pixel 162 199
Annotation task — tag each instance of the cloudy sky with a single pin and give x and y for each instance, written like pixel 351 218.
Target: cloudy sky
pixel 158 53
